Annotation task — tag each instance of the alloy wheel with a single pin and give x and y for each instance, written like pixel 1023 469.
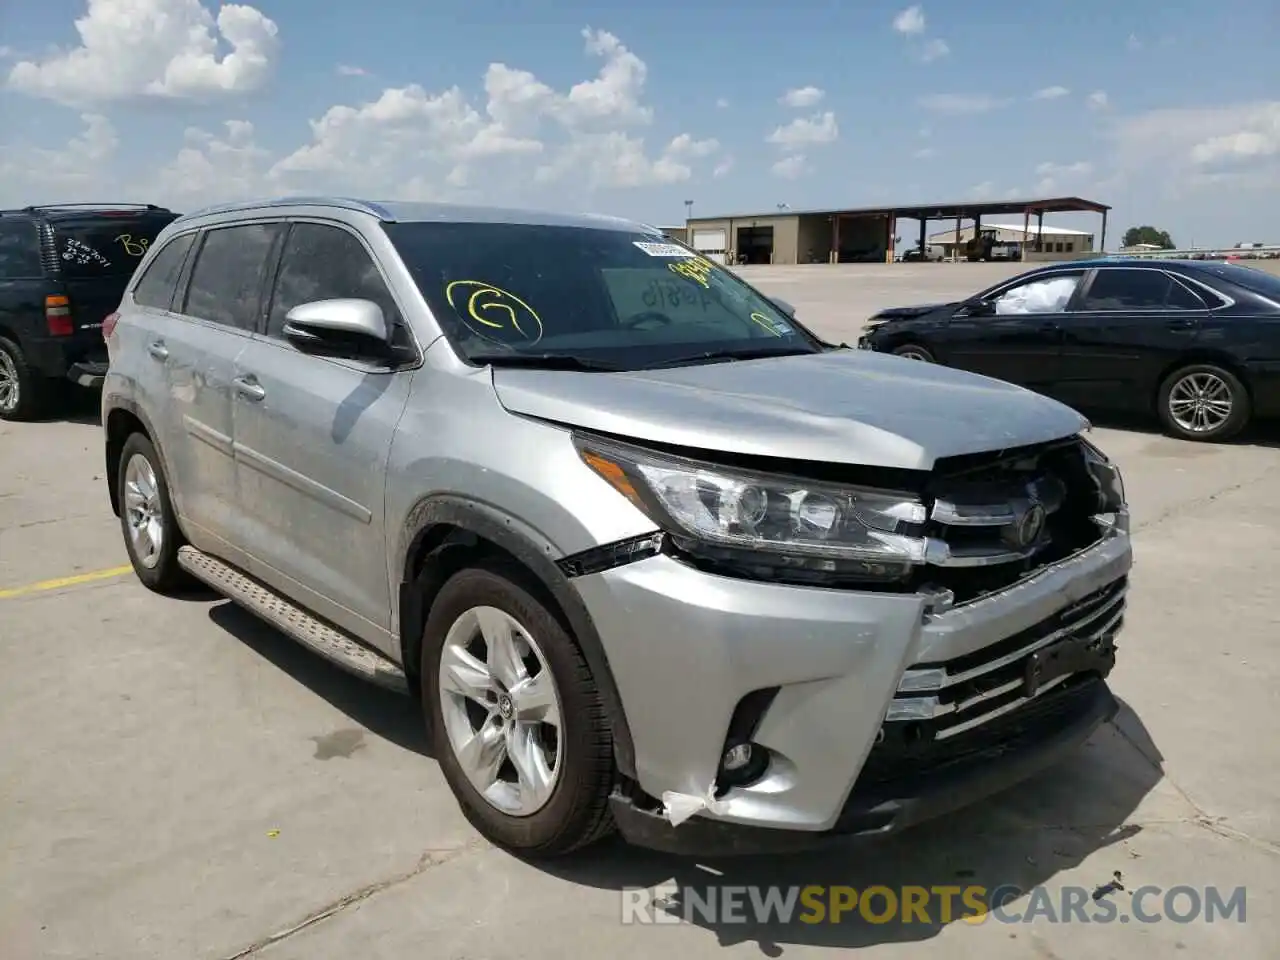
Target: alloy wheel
pixel 913 353
pixel 9 386
pixel 1200 402
pixel 501 710
pixel 143 512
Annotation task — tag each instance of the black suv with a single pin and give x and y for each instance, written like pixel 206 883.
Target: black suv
pixel 63 270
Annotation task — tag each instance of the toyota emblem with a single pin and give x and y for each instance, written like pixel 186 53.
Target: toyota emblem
pixel 1030 526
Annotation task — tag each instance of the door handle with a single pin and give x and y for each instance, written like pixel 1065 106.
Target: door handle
pixel 1183 323
pixel 249 388
pixel 158 350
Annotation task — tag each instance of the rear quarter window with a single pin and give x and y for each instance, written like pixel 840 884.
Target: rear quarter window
pixel 104 246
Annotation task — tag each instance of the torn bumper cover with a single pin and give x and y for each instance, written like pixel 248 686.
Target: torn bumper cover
pixel 1030 743
pixel 878 712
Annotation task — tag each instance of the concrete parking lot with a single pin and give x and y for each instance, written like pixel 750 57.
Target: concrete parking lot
pixel 178 781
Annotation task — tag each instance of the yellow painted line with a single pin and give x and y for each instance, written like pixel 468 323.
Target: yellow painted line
pixel 60 582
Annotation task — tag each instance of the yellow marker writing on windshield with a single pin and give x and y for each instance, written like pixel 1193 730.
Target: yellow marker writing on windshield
pixel 494 309
pixel 763 321
pixel 134 248
pixel 694 268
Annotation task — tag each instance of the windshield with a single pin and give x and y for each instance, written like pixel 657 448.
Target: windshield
pixel 105 245
pixel 613 298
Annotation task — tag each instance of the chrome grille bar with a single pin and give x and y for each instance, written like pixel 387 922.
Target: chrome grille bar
pixel 919 679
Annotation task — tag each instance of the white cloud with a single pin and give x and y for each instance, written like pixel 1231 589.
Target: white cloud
pixel 791 168
pixel 934 49
pixel 1052 174
pixel 346 70
pixel 157 49
pixel 924 153
pixel 685 145
pixel 1098 100
pixel 78 166
pixel 803 131
pixel 961 104
pixel 230 166
pixel 910 21
pixel 802 97
pixel 982 191
pixel 1050 93
pixel 722 103
pixel 723 168
pixel 1134 42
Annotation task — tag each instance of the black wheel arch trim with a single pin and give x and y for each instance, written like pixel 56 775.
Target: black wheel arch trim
pixel 506 532
pixel 109 406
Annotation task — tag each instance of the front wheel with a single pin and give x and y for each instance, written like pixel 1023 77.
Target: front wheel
pixel 1203 402
pixel 913 351
pixel 517 722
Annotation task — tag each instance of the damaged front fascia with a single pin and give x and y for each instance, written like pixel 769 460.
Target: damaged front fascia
pixel 611 555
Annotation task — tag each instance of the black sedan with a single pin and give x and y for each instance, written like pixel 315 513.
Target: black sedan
pixel 1195 342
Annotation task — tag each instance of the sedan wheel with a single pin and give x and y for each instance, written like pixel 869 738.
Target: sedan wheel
pixel 501 710
pixel 1203 402
pixel 913 351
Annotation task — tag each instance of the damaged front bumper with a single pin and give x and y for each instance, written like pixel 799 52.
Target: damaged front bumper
pixel 839 680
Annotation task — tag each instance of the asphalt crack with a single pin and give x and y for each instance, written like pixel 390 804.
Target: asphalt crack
pixel 1195 503
pixel 429 859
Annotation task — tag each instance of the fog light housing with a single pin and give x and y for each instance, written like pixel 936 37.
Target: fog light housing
pixel 736 757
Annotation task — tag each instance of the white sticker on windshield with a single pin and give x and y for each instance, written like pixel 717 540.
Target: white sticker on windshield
pixel 663 249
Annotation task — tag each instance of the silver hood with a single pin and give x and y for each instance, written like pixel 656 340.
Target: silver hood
pixel 855 407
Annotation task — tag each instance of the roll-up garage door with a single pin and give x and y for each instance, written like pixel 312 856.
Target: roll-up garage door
pixel 710 243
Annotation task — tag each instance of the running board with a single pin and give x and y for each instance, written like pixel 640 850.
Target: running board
pixel 332 644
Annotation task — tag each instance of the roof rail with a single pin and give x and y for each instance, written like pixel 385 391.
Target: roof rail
pixel 342 203
pixel 35 207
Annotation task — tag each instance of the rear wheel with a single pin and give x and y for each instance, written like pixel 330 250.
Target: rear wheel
pixel 1203 402
pixel 24 394
pixel 913 351
pixel 517 722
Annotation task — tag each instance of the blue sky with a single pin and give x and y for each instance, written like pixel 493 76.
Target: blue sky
pixel 1169 111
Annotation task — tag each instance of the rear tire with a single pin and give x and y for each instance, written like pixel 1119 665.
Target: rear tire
pixel 1203 402
pixel 540 785
pixel 24 394
pixel 913 351
pixel 147 518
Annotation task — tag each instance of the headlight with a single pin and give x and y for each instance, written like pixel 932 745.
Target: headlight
pixel 715 506
pixel 1106 475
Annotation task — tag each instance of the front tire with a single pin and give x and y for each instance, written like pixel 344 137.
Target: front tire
pixel 1203 402
pixel 913 351
pixel 515 716
pixel 147 518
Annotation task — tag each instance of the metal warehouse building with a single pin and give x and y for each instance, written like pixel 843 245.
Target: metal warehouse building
pixel 866 235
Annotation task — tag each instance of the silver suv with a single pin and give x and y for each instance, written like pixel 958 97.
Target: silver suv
pixel 650 554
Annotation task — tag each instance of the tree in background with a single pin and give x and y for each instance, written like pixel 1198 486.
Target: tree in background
pixel 1160 238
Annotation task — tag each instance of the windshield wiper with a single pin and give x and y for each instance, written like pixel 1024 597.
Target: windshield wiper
pixel 546 361
pixel 716 356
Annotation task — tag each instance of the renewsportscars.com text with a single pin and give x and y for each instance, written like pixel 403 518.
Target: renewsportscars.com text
pixel 906 905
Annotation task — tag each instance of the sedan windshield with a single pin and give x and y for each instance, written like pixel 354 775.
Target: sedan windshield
pixel 606 298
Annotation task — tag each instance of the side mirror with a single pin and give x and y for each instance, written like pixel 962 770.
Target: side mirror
pixel 785 307
pixel 343 327
pixel 977 308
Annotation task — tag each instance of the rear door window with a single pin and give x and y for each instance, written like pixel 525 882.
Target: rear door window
pixel 227 279
pixel 90 248
pixel 157 285
pixel 1116 289
pixel 19 250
